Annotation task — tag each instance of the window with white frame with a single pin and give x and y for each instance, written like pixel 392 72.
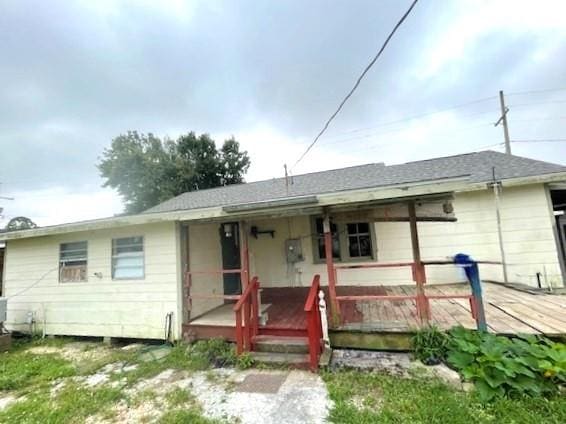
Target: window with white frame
pixel 127 258
pixel 350 242
pixel 73 261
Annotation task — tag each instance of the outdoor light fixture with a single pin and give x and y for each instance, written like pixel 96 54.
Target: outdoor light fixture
pixel 228 230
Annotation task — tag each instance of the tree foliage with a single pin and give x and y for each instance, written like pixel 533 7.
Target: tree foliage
pixel 147 170
pixel 20 223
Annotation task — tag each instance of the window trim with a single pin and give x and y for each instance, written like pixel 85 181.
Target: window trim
pixel 342 229
pixel 112 259
pixel 60 281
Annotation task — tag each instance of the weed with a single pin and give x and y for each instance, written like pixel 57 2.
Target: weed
pixel 188 416
pixel 245 361
pixel 178 397
pixel 430 345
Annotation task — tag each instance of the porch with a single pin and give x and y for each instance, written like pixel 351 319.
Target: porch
pixel 333 252
pixel 508 311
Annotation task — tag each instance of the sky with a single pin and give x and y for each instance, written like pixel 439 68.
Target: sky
pixel 76 74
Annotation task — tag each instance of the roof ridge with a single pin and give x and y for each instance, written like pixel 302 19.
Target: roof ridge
pixel 278 178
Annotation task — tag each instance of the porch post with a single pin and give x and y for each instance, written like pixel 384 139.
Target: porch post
pixel 244 256
pixel 334 306
pixel 419 275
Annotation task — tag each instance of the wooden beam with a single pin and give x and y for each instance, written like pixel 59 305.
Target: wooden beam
pixel 334 306
pixel 244 256
pixel 419 275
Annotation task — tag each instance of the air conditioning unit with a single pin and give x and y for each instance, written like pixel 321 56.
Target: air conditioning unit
pixel 3 309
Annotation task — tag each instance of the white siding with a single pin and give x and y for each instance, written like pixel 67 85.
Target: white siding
pixel 527 233
pixel 100 306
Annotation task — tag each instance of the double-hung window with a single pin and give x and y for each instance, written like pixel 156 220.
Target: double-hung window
pixel 127 258
pixel 73 260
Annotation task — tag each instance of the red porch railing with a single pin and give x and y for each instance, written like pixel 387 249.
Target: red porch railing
pixel 314 327
pixel 247 310
pixel 420 298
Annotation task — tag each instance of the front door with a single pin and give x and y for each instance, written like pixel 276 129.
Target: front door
pixel 230 241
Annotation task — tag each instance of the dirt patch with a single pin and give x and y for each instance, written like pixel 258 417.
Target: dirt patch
pixel 76 352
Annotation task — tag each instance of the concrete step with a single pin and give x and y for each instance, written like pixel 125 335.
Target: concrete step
pixel 281 344
pixel 295 360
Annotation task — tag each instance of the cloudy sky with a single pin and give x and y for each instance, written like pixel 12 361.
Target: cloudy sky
pixel 75 74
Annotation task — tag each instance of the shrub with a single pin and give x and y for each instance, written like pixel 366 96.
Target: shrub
pixel 430 345
pixel 501 366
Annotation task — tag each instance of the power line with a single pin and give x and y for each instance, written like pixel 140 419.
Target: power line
pixel 538 103
pixel 422 115
pixel 358 81
pixel 546 90
pixel 543 140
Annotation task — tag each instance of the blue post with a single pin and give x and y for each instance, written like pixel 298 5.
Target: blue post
pixel 473 275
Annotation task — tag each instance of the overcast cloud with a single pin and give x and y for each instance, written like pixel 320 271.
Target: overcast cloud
pixel 75 74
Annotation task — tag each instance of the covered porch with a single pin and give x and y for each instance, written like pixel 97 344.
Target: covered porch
pixel 263 272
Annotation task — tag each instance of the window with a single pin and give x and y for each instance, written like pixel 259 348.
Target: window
pixel 127 258
pixel 359 240
pixel 350 242
pixel 73 262
pixel 320 239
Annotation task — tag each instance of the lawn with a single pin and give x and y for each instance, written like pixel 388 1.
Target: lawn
pixel 50 380
pixel 363 397
pixel 62 381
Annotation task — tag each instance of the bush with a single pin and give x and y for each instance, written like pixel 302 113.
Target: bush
pixel 213 352
pixel 501 366
pixel 430 345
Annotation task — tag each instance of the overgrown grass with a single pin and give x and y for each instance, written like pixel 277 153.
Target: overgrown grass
pixel 374 398
pixel 71 405
pixel 21 369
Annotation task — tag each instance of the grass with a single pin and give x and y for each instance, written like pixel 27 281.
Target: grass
pixel 33 375
pixel 362 398
pixel 71 405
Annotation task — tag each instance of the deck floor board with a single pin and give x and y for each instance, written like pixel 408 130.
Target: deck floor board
pixel 508 311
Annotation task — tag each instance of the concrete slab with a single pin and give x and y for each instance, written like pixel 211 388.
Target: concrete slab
pixel 261 383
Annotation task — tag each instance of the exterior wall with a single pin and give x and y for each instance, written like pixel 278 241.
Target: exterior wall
pixel 527 233
pixel 99 306
pixel 205 254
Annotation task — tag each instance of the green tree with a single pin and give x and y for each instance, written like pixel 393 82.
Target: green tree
pixel 147 170
pixel 20 223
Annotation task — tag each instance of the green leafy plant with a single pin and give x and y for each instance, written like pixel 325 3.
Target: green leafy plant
pixel 245 361
pixel 501 366
pixel 430 345
pixel 213 352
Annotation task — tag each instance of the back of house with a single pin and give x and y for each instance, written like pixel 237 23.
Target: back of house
pixel 368 230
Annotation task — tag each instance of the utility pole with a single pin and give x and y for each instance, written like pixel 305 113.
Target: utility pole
pixel 497 192
pixel 503 120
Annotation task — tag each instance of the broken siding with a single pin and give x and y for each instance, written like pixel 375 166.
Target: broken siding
pixel 99 306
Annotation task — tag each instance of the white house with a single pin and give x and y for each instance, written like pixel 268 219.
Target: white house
pixel 130 276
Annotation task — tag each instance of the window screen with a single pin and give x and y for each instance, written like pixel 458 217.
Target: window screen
pixel 73 261
pixel 127 258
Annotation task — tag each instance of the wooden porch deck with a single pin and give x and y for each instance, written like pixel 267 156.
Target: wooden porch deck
pixel 508 311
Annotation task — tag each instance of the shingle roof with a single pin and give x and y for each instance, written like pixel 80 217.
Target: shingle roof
pixel 477 167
